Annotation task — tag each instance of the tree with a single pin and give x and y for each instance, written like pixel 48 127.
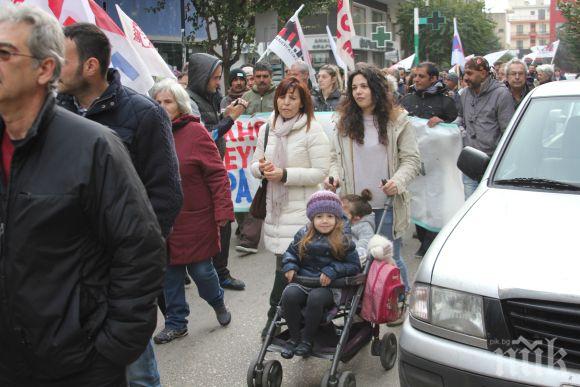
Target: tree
pixel 229 24
pixel 568 55
pixel 475 28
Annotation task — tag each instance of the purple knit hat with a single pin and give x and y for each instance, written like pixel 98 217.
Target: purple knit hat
pixel 324 201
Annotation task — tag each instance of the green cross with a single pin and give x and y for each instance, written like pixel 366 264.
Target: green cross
pixel 435 20
pixel 381 36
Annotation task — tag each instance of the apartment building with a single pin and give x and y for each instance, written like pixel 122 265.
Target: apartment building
pixel 529 23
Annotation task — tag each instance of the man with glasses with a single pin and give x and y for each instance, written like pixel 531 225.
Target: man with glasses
pixel 205 74
pixel 517 82
pixel 82 255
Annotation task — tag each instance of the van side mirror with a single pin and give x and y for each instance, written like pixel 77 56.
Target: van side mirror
pixel 473 163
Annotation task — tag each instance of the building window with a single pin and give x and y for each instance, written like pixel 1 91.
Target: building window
pixel 359 19
pixel 379 59
pixel 532 13
pixel 520 29
pixel 542 42
pixel 533 27
pixel 500 30
pixel 360 55
pixel 532 42
pixel 542 28
pixel 542 14
pixel 379 19
pixel 520 44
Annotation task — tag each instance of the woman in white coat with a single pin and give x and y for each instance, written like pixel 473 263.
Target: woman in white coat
pixel 295 163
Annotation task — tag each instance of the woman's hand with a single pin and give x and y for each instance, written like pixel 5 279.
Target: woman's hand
pixel 325 280
pixel 274 174
pixel 265 166
pixel 331 186
pixel 390 188
pixel 290 275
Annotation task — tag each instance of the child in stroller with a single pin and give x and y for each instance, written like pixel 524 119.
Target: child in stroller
pixel 338 337
pixel 319 250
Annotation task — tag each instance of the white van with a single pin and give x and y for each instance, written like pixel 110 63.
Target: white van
pixel 496 300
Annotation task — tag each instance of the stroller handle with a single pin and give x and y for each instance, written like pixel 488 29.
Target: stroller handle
pixel 344 282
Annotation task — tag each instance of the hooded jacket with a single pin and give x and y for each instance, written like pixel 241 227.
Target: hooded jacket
pixel 485 115
pixel 326 105
pixel 145 130
pixel 260 103
pixel 431 102
pixel 362 232
pixel 207 105
pixel 318 258
pixel 82 256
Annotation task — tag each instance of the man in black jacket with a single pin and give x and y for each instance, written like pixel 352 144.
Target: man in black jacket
pixel 81 254
pixel 87 87
pixel 428 99
pixel 205 74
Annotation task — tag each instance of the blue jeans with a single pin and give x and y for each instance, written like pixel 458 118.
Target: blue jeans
pixel 387 231
pixel 143 371
pixel 469 186
pixel 208 286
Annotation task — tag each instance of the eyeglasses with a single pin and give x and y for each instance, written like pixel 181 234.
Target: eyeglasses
pixel 5 55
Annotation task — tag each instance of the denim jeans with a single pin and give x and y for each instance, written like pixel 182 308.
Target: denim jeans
pixel 143 371
pixel 205 277
pixel 387 231
pixel 469 186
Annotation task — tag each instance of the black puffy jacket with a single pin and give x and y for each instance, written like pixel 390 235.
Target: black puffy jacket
pixel 145 129
pixel 82 256
pixel 430 102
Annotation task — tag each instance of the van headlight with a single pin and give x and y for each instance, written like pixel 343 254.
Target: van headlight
pixel 449 309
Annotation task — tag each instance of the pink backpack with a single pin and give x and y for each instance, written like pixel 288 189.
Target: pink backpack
pixel 384 294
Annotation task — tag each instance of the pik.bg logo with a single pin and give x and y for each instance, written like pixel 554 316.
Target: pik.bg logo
pixel 535 354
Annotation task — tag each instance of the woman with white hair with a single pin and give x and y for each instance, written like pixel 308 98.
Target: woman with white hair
pixel 545 73
pixel 207 205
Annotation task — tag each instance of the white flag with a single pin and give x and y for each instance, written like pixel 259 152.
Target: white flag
pixel 344 33
pixel 290 45
pixel 457 55
pixel 144 47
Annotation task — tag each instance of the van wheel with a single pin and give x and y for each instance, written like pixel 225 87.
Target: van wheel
pixel 272 376
pixel 388 354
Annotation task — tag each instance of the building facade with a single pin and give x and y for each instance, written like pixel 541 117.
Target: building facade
pixel 556 19
pixel 529 24
pixel 502 28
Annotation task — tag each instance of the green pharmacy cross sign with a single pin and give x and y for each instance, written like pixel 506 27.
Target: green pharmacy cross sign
pixel 434 20
pixel 381 37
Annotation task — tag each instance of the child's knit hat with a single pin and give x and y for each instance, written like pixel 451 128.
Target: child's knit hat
pixel 324 201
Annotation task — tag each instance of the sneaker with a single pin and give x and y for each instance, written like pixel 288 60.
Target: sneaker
pixel 187 281
pixel 246 249
pixel 232 283
pixel 168 334
pixel 303 349
pixel 223 315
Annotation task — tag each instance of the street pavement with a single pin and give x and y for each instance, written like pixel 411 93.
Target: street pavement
pixel 214 356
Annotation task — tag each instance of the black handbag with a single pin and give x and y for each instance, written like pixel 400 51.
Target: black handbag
pixel 258 206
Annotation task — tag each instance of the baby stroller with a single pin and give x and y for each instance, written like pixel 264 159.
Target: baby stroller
pixel 335 342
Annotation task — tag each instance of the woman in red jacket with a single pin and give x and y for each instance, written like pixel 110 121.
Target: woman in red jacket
pixel 207 205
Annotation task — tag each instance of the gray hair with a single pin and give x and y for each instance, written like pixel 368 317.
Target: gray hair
pixel 301 66
pixel 515 61
pixel 546 69
pixel 46 38
pixel 178 92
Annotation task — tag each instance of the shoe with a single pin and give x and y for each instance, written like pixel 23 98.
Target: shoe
pixel 232 283
pixel 187 281
pixel 303 349
pixel 168 334
pixel 223 315
pixel 288 351
pixel 245 249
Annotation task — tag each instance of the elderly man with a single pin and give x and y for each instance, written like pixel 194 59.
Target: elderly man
pixel 301 70
pixel 517 84
pixel 82 252
pixel 485 111
pixel 545 73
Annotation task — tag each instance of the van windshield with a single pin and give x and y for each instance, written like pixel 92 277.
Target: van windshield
pixel 544 151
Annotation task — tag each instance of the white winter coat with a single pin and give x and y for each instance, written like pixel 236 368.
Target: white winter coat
pixel 308 161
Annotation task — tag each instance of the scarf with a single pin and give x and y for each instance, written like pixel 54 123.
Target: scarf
pixel 279 192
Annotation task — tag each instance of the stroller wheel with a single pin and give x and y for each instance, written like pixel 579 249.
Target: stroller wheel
pixel 251 377
pixel 347 379
pixel 388 351
pixel 272 376
pixel 326 380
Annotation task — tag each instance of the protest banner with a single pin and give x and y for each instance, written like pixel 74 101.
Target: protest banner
pixel 241 142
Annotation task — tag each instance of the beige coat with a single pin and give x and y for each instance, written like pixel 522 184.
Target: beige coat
pixel 308 161
pixel 404 164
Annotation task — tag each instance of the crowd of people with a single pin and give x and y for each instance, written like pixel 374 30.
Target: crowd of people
pixel 112 200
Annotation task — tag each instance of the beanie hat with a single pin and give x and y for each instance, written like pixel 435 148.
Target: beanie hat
pixel 324 202
pixel 237 73
pixel 453 77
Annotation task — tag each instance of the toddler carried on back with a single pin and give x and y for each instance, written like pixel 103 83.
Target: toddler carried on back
pixel 319 250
